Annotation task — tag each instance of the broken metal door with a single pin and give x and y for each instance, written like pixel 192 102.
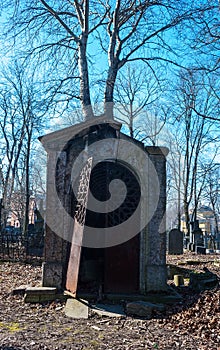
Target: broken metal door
pixel 79 221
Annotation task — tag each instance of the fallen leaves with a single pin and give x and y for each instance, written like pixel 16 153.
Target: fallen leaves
pixel 192 324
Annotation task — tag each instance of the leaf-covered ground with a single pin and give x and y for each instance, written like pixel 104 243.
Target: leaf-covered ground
pixel 193 323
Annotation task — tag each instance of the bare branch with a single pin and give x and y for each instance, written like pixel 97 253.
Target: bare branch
pixel 64 25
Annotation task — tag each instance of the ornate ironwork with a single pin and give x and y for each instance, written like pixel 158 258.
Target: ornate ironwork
pixel 82 195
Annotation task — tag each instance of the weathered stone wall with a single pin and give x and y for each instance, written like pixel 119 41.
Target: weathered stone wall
pixel 60 201
pixel 155 255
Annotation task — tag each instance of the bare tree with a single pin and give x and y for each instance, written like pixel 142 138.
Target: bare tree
pixel 150 129
pixel 12 134
pixel 193 135
pixel 20 117
pixel 67 37
pixel 212 193
pixel 137 91
pixel 205 39
pixel 175 178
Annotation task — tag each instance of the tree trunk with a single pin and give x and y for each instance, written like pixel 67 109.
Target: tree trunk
pixel 186 213
pixel 84 80
pixel 27 183
pixel 179 196
pixel 109 92
pixel 215 215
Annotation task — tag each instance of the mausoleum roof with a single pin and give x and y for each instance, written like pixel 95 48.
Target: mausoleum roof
pixel 62 136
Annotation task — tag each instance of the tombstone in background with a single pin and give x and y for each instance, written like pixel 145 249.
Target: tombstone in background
pixel 175 242
pixel 36 236
pixel 206 240
pixel 191 247
pixel 200 250
pixel 186 241
pixel 197 234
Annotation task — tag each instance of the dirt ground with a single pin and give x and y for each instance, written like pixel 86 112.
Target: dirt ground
pixel 193 323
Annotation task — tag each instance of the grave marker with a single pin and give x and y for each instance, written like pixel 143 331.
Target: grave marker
pixel 175 242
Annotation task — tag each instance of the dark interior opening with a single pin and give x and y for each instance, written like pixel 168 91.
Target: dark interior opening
pixel 114 269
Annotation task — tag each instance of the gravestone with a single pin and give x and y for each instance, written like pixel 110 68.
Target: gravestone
pixel 200 250
pixel 197 234
pixel 175 242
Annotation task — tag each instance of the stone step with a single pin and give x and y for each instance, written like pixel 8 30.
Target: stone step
pixel 20 290
pixel 40 294
pixel 41 290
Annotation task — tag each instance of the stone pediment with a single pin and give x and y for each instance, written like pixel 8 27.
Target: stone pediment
pixel 58 139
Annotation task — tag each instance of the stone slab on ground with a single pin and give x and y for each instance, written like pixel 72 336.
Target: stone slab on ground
pixel 41 290
pixel 76 308
pixel 203 280
pixel 31 298
pixel 20 290
pixel 109 310
pixel 40 294
pixel 143 308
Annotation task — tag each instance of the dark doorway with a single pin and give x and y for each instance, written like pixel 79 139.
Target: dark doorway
pixel 121 273
pixel 114 269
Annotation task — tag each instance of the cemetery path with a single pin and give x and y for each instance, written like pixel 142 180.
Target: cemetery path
pixel 193 324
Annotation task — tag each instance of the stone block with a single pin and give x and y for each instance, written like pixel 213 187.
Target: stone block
pixel 37 298
pixel 203 280
pixel 20 290
pixel 178 280
pixel 41 290
pixel 143 308
pixel 52 274
pixel 76 308
pixel 40 294
pixel 31 298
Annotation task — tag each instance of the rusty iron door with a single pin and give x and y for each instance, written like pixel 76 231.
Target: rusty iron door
pixel 122 261
pixel 122 267
pixel 79 221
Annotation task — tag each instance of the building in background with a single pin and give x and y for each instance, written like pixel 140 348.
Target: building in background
pixel 207 223
pixel 206 218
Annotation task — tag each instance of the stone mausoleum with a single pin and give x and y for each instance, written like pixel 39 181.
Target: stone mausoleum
pixel 98 241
